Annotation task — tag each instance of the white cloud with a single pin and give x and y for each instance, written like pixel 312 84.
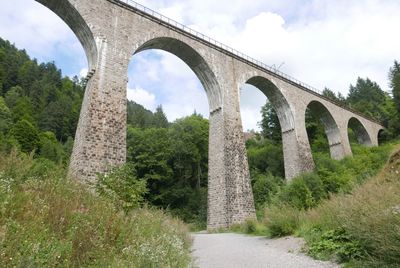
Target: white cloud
pixel 143 97
pixel 42 33
pixel 175 86
pixel 321 42
pixel 83 72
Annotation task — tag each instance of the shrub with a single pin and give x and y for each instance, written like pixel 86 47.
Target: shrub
pixel 264 187
pixel 297 194
pixel 368 221
pixel 122 187
pixel 336 244
pixel 281 220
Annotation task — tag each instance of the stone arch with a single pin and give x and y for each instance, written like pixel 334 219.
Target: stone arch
pixel 68 13
pixel 286 120
pixel 278 101
pixel 331 128
pixel 195 62
pixel 220 211
pixel 360 131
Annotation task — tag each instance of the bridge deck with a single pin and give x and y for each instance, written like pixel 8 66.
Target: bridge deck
pixel 210 42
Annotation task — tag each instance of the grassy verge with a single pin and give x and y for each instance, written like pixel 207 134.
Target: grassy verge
pixel 48 221
pixel 347 211
pixel 363 227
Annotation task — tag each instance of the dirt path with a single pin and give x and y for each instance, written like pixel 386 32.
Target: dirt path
pixel 236 251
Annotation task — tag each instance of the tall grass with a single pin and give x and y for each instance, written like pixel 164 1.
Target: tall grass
pixel 348 210
pixel 47 221
pixel 369 216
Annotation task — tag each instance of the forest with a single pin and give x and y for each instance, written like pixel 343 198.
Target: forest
pixel 46 220
pixel 171 157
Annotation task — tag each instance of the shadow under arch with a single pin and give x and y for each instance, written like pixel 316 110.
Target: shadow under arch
pixel 278 101
pixel 331 128
pixel 68 13
pixel 383 136
pixel 285 118
pixel 360 132
pixel 195 62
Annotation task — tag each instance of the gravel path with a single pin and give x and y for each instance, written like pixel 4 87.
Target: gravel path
pixel 237 251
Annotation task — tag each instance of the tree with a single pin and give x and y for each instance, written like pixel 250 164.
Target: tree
pixel 27 135
pixel 50 148
pixel 5 117
pixel 270 127
pixel 159 118
pixel 394 82
pixel 368 98
pixel 138 116
pixel 12 96
pixel 331 95
pixel 316 132
pixel 150 151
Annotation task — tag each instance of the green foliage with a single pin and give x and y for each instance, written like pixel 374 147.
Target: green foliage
pixel 336 244
pixel 394 80
pixel 159 118
pixel 281 220
pixel 138 116
pixel 316 132
pixel 368 218
pixel 368 98
pixel 332 95
pixel 27 135
pixel 264 187
pixel 270 127
pixel 34 99
pixel 174 163
pixel 50 148
pixel 121 186
pixel 265 156
pixel 48 221
pixel 5 116
pixel 298 194
pixel 251 226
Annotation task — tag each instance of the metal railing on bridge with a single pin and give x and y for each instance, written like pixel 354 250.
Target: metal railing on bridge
pixel 231 51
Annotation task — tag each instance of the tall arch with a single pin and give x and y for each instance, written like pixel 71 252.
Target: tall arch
pixel 68 13
pixel 278 101
pixel 286 121
pixel 230 197
pixel 331 128
pixel 195 62
pixel 359 131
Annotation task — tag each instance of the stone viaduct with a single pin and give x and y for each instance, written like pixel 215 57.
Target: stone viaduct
pixel 111 31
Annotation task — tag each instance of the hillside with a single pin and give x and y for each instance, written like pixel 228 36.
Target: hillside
pixel 48 221
pixel 361 227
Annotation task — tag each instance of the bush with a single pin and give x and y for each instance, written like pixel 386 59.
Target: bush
pixel 281 220
pixel 122 187
pixel 264 187
pixel 368 220
pixel 336 244
pixel 297 194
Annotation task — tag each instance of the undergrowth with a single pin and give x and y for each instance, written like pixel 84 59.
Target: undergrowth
pixel 347 211
pixel 48 221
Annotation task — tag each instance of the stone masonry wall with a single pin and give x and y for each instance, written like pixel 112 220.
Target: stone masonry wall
pixel 111 32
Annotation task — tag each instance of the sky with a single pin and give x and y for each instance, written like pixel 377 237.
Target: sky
pixel 323 43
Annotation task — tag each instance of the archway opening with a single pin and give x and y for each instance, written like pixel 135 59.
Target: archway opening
pixel 383 136
pixel 168 129
pixel 42 79
pixel 323 132
pixel 357 133
pixel 265 115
